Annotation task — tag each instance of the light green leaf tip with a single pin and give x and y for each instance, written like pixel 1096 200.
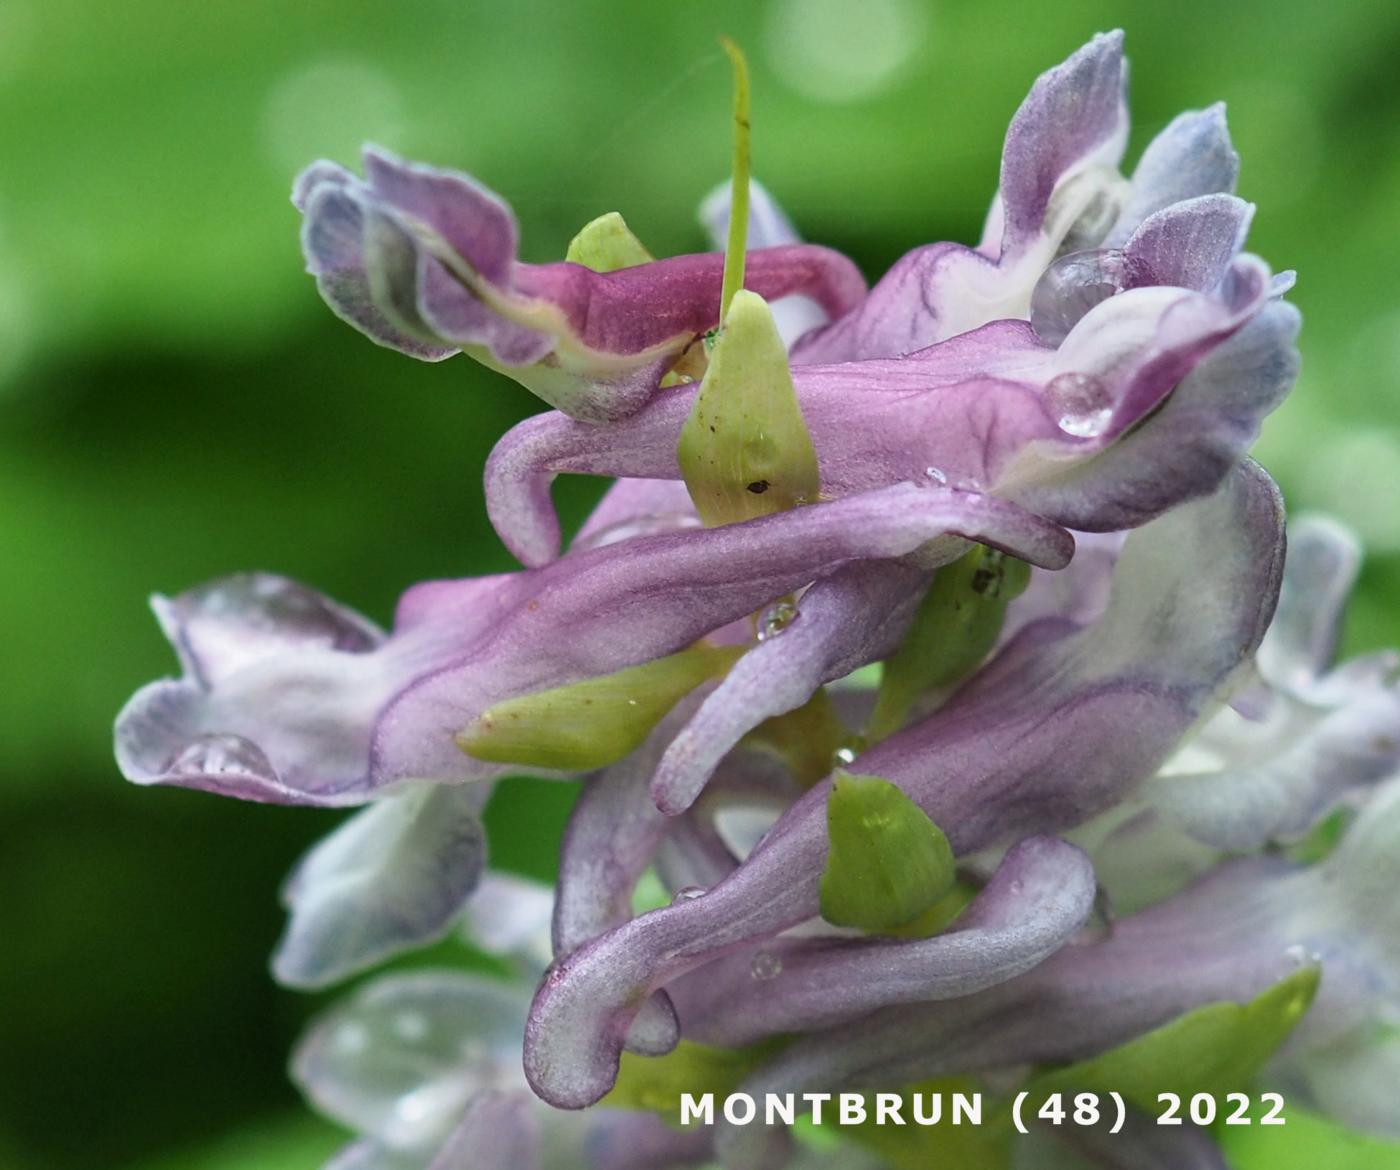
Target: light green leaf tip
pixel 607 244
pixel 593 723
pixel 887 862
pixel 955 628
pixel 1216 1049
pixel 745 451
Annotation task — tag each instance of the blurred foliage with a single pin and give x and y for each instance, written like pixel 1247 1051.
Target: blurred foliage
pixel 175 402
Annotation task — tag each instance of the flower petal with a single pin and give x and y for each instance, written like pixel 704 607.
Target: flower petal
pixel 851 618
pixel 1039 897
pixel 1324 559
pixel 391 878
pixel 1071 125
pixel 401 1059
pixel 1192 156
pixel 424 260
pixel 1033 743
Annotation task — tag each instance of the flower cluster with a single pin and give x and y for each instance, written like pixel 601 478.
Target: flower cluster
pixel 1105 794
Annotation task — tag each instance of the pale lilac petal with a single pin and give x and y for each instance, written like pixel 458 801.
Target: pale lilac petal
pixel 499 1131
pixel 1038 898
pixel 613 833
pixel 637 507
pixel 391 878
pixel 1354 1079
pixel 1074 116
pixel 401 1059
pixel 1277 783
pixel 1193 156
pixel 332 239
pixel 1033 744
pixel 854 617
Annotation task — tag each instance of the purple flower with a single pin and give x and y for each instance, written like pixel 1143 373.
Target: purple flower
pixel 424 261
pixel 1108 738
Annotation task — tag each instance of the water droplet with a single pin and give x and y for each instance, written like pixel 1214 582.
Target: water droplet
pixel 1081 403
pixel 1073 285
pixel 766 966
pixel 775 619
pixel 688 894
pixel 1300 956
pixel 220 755
pixel 843 756
pixel 936 475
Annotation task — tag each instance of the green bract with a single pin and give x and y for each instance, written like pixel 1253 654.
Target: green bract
pixel 887 862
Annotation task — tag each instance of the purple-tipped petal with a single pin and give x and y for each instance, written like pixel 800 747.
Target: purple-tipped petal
pixel 393 877
pixel 1034 743
pixel 1193 156
pixel 854 617
pixel 424 260
pixel 1075 116
pixel 1189 244
pixel 679 587
pixel 1189 443
pixel 1071 127
pixel 1039 897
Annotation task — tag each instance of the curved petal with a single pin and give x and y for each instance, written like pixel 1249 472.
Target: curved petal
pixel 851 618
pixel 393 877
pixel 1038 898
pixel 566 623
pixel 989 410
pixel 1033 743
pixel 424 260
pixel 318 724
pixel 1071 125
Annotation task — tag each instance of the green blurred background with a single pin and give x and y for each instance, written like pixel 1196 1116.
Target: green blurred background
pixel 176 403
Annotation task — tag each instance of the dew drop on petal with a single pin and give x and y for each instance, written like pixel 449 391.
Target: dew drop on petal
pixel 843 756
pixel 936 475
pixel 1073 285
pixel 775 619
pixel 220 755
pixel 688 894
pixel 1081 404
pixel 766 966
pixel 1297 955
